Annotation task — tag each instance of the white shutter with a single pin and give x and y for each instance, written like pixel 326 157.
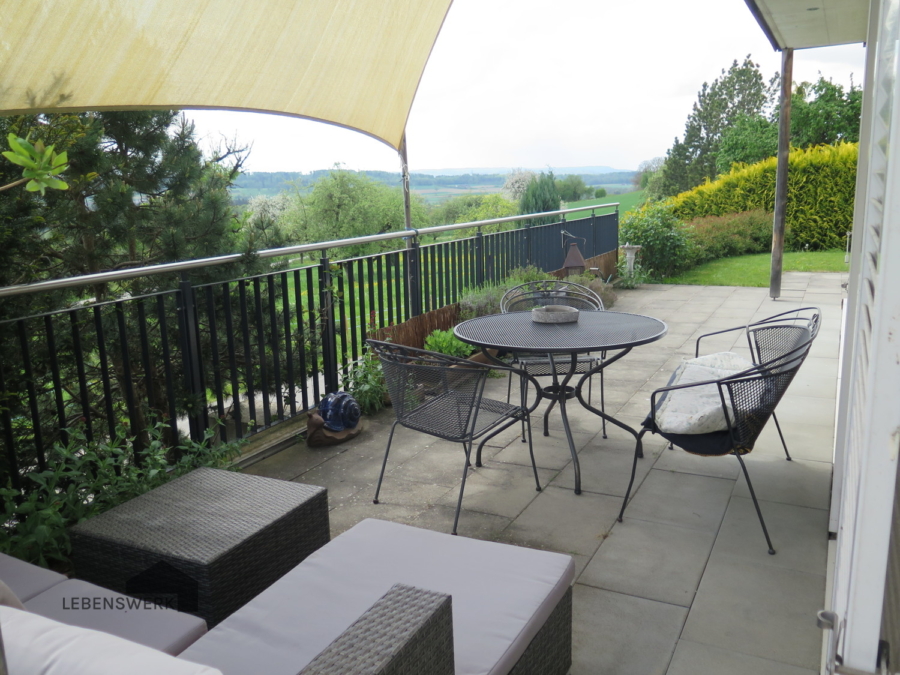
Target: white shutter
pixel 869 427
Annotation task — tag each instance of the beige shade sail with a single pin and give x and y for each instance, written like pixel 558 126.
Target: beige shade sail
pixel 354 63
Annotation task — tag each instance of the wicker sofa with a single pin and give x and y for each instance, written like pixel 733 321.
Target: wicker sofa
pixel 380 598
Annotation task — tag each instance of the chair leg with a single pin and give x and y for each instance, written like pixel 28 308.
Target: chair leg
pixel 524 397
pixel 756 504
pixel 537 481
pixel 602 404
pixel 384 463
pixel 638 452
pixel 778 426
pixel 462 487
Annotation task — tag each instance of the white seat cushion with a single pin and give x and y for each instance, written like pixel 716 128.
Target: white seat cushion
pixel 80 603
pixel 26 580
pixel 502 595
pixel 36 645
pixel 698 410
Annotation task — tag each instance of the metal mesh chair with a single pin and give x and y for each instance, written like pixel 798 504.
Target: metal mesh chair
pixel 526 297
pixel 779 345
pixel 774 337
pixel 443 396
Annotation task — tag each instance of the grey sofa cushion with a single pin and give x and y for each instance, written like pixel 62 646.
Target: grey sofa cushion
pixel 79 603
pixel 26 580
pixel 501 597
pixel 8 598
pixel 36 644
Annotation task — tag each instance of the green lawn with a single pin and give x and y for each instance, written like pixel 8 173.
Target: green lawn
pixel 753 270
pixel 627 201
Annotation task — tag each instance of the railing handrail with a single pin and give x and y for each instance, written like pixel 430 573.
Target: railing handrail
pixel 185 265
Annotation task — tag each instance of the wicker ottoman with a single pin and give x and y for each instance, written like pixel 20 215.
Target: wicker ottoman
pixel 205 543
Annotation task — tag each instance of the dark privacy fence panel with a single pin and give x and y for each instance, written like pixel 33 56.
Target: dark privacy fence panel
pixel 230 358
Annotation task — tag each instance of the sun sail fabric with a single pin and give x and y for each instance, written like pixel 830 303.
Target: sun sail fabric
pixel 353 63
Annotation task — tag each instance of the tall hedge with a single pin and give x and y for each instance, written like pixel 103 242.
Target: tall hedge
pixel 821 184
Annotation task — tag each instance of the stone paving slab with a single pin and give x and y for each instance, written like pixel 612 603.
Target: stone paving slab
pixel 622 634
pixel 684 584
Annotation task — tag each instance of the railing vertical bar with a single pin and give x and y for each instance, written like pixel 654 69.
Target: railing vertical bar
pixel 104 373
pixel 314 333
pixel 32 395
pixel 401 289
pixel 425 285
pixel 167 363
pixel 301 338
pixel 453 270
pixel 82 377
pixel 443 259
pixel 248 355
pixel 383 287
pixel 127 384
pixel 365 308
pixel 387 290
pixel 232 361
pixel 288 343
pixel 370 270
pixel 146 363
pixel 57 383
pixel 261 350
pixel 8 437
pixel 216 361
pixel 354 312
pixel 275 339
pixel 342 313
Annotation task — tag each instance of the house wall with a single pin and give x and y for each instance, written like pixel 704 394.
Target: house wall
pixel 868 438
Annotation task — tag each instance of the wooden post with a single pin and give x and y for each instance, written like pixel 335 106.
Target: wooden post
pixel 781 173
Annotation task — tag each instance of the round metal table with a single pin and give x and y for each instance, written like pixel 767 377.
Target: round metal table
pixel 593 332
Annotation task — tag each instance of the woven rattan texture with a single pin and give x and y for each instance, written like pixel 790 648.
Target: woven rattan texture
pixel 550 652
pixel 593 332
pixel 226 535
pixel 409 631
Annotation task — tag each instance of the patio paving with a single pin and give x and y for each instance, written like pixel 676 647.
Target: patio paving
pixel 684 584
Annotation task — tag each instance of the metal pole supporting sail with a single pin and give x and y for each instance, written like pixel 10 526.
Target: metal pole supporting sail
pixel 412 244
pixel 781 172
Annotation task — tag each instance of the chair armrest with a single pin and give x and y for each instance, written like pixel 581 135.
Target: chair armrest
pixel 409 630
pixel 718 332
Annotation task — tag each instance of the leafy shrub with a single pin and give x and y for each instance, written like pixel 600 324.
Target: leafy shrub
pixel 821 189
pixel 445 342
pixel 630 280
pixel 604 290
pixel 86 479
pixel 364 381
pixel 663 238
pixel 714 237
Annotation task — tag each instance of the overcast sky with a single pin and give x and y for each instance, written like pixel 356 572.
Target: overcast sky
pixel 541 83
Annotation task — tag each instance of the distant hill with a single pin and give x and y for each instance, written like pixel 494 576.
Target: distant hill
pixel 252 184
pixel 558 170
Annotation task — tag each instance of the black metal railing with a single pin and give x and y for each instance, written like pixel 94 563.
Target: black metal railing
pixel 240 355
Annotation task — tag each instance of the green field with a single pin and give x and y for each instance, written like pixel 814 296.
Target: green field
pixel 754 270
pixel 626 201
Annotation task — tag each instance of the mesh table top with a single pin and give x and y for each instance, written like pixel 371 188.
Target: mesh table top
pixel 199 515
pixel 593 332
